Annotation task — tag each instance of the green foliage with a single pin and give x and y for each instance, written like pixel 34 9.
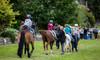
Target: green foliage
pixel 7 16
pixel 11 33
pixel 17 25
pixel 60 11
pixel 81 17
pixel 91 18
pixel 94 6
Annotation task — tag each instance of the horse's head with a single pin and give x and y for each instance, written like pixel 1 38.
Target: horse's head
pixel 34 26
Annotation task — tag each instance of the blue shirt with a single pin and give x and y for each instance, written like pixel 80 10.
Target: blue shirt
pixel 67 30
pixel 95 30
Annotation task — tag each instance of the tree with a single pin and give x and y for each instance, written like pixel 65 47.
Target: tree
pixel 7 16
pixel 91 18
pixel 60 11
pixel 81 16
pixel 94 6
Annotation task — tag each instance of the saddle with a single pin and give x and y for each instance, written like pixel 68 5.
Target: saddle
pixel 51 32
pixel 25 27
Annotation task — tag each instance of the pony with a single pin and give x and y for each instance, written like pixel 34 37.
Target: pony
pixel 47 37
pixel 67 43
pixel 25 37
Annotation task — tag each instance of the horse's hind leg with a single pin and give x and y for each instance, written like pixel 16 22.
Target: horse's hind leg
pixel 47 47
pixel 44 46
pixel 32 47
pixel 25 49
pixel 28 50
pixel 51 46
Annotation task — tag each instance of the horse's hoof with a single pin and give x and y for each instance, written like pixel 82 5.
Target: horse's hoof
pixel 20 56
pixel 30 54
pixel 46 53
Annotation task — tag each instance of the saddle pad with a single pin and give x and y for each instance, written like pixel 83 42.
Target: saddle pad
pixel 51 32
pixel 31 31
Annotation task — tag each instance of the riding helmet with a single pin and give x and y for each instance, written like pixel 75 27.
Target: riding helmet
pixel 28 16
pixel 51 21
pixel 66 25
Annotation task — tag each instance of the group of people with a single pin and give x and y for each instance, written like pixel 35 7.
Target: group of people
pixel 75 33
pixel 60 36
pixel 88 33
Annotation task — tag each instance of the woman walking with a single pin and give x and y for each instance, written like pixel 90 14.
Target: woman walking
pixel 74 41
pixel 61 38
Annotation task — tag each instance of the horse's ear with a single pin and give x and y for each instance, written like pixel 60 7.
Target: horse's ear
pixel 36 23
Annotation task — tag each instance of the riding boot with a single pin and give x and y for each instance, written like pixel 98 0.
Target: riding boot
pixel 34 36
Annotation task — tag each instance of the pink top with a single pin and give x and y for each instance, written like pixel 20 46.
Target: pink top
pixel 50 26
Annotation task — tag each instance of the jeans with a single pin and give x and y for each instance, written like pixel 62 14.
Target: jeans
pixel 70 35
pixel 85 36
pixel 57 44
pixel 96 34
pixel 62 46
pixel 74 45
pixel 32 30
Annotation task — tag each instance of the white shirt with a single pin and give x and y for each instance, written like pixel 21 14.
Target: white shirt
pixel 28 22
pixel 91 29
pixel 76 29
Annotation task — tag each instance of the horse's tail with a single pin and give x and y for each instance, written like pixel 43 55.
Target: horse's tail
pixel 21 43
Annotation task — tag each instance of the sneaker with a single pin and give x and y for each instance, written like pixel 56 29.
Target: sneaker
pixel 62 53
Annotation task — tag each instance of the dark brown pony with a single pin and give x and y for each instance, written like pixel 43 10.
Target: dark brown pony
pixel 25 37
pixel 47 37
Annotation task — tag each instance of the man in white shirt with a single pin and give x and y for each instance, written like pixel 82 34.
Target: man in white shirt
pixel 91 31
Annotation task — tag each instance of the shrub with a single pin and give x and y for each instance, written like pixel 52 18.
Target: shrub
pixel 11 33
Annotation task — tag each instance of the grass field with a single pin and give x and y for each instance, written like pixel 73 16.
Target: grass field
pixel 87 50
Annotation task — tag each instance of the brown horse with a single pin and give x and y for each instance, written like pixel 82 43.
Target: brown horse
pixel 25 37
pixel 47 37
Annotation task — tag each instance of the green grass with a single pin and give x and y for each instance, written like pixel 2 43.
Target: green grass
pixel 88 50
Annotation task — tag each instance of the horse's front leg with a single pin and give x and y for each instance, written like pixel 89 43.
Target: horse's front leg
pixel 47 47
pixel 70 46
